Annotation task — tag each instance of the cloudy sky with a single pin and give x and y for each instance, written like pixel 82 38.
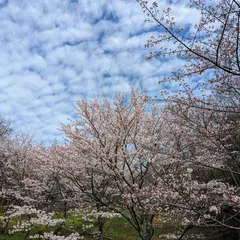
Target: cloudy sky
pixel 54 52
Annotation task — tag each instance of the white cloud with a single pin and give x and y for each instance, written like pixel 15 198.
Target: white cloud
pixel 56 52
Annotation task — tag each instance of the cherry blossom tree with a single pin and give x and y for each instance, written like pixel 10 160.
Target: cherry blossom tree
pixel 5 127
pixel 124 157
pixel 30 190
pixel 208 140
pixel 62 196
pixel 206 109
pixel 59 157
pixel 15 153
pixel 213 43
pixel 210 49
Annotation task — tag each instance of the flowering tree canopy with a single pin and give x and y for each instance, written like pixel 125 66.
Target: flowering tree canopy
pixel 207 109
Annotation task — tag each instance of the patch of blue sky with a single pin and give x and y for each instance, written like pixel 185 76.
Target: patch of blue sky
pixel 3 3
pixel 73 1
pixel 37 49
pixel 138 162
pixel 175 1
pixel 106 75
pixel 130 147
pixel 107 15
pixel 72 43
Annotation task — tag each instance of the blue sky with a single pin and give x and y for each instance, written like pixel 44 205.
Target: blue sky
pixel 56 52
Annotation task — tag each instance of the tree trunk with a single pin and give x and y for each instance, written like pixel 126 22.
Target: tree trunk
pixel 148 235
pixel 101 221
pixel 148 228
pixel 5 226
pixel 65 210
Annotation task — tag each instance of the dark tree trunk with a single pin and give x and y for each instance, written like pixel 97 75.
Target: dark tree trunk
pixel 147 231
pixel 5 226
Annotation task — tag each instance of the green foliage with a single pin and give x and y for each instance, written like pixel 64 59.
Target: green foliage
pixel 16 236
pixel 114 228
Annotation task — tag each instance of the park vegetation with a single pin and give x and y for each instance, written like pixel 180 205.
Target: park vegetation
pixel 141 159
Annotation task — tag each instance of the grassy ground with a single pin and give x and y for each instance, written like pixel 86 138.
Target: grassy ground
pixel 115 228
pixel 119 229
